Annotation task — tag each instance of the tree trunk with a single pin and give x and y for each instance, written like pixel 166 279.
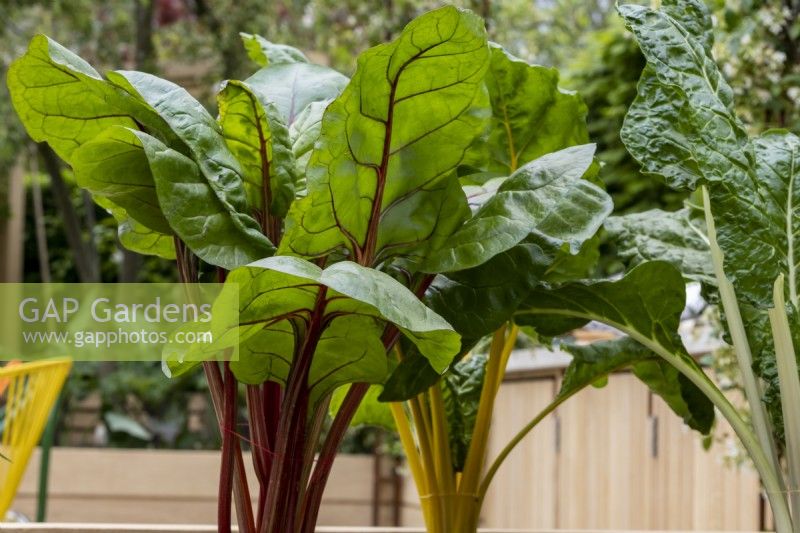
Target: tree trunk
pixel 12 229
pixel 87 261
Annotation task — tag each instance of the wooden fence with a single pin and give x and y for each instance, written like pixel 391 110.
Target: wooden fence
pixel 613 458
pixel 170 487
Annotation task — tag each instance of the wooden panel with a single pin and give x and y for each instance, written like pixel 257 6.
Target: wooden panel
pixel 523 493
pixel 172 487
pixel 601 461
pixel 703 489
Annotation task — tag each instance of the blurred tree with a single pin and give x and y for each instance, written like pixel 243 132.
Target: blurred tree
pixel 758 46
pixel 605 72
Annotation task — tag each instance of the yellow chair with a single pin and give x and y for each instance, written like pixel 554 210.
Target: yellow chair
pixel 31 389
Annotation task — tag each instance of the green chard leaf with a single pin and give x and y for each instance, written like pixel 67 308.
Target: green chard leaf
pixel 63 101
pixel 197 215
pixel 276 297
pixel 475 302
pixel 646 305
pixel 592 364
pixel 257 136
pixel 294 86
pixel 303 134
pixel 547 200
pixel 135 236
pixel 114 165
pixel 264 52
pixel 664 235
pixel 682 126
pixel 210 184
pixel 380 179
pixel 531 115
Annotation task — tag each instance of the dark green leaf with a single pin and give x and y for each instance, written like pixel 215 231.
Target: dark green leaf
pixel 593 363
pixel 205 223
pixel 461 389
pixel 114 165
pixel 668 236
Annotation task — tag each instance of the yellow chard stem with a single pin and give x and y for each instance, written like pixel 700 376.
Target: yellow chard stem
pixel 424 434
pixel 473 467
pixel 441 444
pixel 789 383
pixel 412 456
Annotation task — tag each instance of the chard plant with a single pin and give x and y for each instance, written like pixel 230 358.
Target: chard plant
pixel 536 209
pixel 737 236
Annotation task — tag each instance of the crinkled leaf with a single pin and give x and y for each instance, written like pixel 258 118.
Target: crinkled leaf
pixel 395 135
pixel 276 297
pixel 778 170
pixel 294 86
pixel 682 126
pixel 646 305
pixel 546 199
pixel 259 139
pixel 264 52
pixel 196 213
pixel 593 363
pixel 531 115
pixel 62 100
pixel 113 165
pixel 664 235
pixel 695 17
pixel 461 391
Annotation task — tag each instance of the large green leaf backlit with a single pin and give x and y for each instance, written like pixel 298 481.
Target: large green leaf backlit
pixel 392 140
pixel 63 101
pixel 259 139
pixel 531 115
